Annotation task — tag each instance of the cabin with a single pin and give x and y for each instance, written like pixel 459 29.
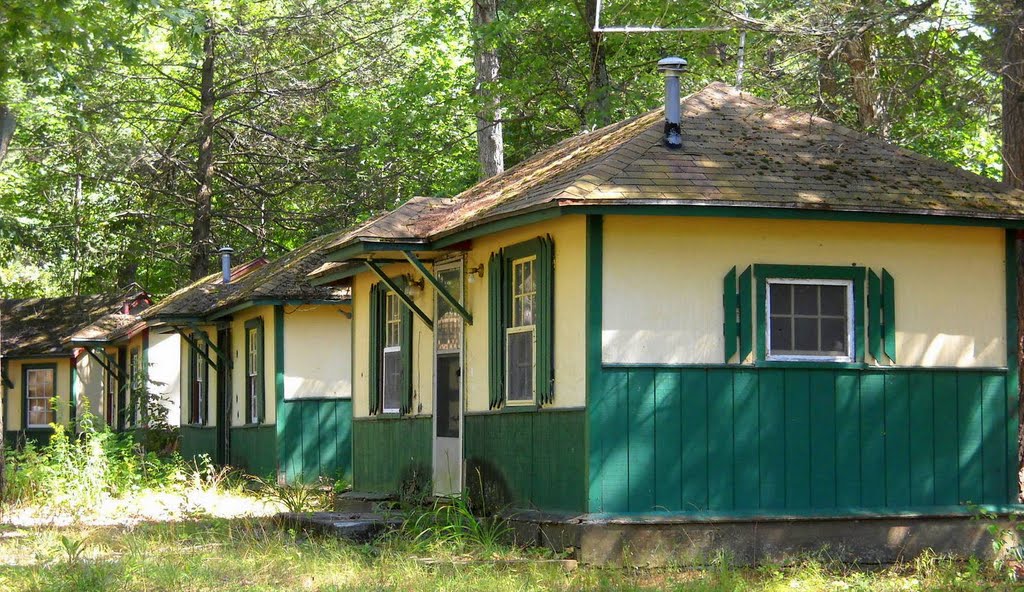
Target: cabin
pixel 65 356
pixel 265 367
pixel 746 322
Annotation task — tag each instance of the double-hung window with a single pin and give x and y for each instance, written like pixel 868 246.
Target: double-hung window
pixel 135 387
pixel 254 383
pixel 810 319
pixel 521 334
pixel 521 324
pixel 392 355
pixel 391 349
pixel 198 382
pixel 39 385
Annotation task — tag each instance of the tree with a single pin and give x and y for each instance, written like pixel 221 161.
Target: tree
pixel 489 137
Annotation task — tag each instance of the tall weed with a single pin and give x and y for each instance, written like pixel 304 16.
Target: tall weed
pixel 75 472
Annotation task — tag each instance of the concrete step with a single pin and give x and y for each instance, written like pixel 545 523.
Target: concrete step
pixel 359 527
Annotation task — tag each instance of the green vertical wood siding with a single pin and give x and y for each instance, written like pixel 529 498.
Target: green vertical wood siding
pixel 533 460
pixel 254 449
pixel 197 441
pixel 314 439
pixel 789 440
pixel 389 452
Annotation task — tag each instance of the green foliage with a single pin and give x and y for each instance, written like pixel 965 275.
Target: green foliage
pixel 294 497
pixel 75 473
pixel 450 525
pixel 329 112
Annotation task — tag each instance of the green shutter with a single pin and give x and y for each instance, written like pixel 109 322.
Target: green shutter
pixel 889 314
pixel 875 315
pixel 495 327
pixel 373 388
pixel 405 403
pixel 746 314
pixel 729 327
pixel 545 321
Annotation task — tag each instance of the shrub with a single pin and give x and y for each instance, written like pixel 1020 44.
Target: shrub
pixel 74 472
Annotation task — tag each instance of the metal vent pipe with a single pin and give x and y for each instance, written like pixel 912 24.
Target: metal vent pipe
pixel 225 263
pixel 672 67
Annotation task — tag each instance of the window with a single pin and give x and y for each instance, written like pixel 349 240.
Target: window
pixel 391 352
pixel 807 313
pixel 521 343
pixel 521 327
pixel 110 392
pixel 135 378
pixel 254 371
pixel 198 380
pixel 810 319
pixel 39 383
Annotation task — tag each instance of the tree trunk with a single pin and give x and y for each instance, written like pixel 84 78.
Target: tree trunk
pixel 1013 98
pixel 1013 175
pixel 599 109
pixel 7 124
pixel 489 139
pixel 862 59
pixel 201 247
pixel 3 439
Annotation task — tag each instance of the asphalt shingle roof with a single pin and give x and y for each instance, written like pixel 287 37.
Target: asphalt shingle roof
pixel 738 150
pixel 39 326
pixel 283 278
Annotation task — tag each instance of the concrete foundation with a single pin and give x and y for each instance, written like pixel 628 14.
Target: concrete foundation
pixel 675 541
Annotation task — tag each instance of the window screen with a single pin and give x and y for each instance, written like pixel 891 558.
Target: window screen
pixel 39 392
pixel 809 319
pixel 392 379
pixel 520 366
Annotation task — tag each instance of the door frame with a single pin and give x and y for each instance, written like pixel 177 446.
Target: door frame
pixel 448 264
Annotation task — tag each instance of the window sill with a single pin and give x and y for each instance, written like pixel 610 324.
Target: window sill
pixel 248 426
pixel 807 365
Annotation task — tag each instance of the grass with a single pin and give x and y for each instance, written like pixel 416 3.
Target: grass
pixel 251 553
pixel 97 513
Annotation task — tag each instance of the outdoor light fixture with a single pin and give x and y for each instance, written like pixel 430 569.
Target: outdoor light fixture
pixel 414 286
pixel 474 272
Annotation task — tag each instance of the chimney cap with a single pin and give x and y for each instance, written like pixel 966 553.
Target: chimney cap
pixel 672 64
pixel 225 250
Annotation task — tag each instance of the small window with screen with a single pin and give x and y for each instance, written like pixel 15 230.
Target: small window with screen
pixel 810 320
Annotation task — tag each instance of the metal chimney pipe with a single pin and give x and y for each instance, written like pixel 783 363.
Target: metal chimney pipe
pixel 672 68
pixel 225 263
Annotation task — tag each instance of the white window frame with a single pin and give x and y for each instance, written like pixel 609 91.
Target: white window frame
pixel 390 300
pixel 253 374
pixel 49 400
pixel 851 335
pixel 512 330
pixel 198 371
pixel 135 381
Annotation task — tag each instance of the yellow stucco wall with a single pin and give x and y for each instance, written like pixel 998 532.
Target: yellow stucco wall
pixel 13 399
pixel 89 385
pixel 663 283
pixel 183 379
pixel 422 342
pixel 569 237
pixel 164 372
pixel 317 352
pixel 238 359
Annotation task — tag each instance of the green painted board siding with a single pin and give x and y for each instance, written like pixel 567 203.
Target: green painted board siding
pixel 531 460
pixel 253 449
pixel 315 439
pixel 197 441
pixel 388 453
pixel 798 440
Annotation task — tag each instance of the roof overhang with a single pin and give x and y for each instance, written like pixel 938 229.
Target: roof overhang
pixel 227 312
